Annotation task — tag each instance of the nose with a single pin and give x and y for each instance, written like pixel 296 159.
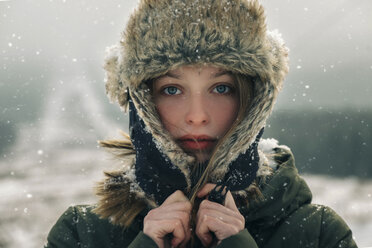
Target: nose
pixel 197 113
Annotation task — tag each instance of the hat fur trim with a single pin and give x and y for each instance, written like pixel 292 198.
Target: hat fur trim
pixel 162 35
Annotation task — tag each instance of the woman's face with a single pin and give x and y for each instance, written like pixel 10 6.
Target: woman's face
pixel 197 105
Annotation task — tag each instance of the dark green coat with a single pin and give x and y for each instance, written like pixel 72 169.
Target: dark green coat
pixel 284 218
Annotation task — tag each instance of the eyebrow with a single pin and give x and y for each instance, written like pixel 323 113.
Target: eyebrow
pixel 214 75
pixel 172 74
pixel 221 73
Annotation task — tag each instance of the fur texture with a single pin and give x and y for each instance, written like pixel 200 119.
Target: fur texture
pixel 164 34
pixel 121 200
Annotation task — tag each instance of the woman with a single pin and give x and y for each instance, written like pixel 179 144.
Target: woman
pixel 200 78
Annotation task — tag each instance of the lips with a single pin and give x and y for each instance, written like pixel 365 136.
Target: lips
pixel 197 142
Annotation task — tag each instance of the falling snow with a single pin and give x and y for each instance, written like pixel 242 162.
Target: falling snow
pixel 43 62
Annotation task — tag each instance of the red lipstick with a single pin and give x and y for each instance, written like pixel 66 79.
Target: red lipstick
pixel 197 142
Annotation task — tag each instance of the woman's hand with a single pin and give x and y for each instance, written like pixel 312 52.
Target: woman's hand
pixel 222 220
pixel 172 217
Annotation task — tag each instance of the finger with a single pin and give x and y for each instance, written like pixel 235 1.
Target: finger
pixel 177 196
pixel 157 230
pixel 209 205
pixel 176 206
pixel 168 215
pixel 187 237
pixel 230 202
pixel 179 234
pixel 221 213
pixel 203 231
pixel 205 190
pixel 209 224
pixel 161 215
pixel 228 219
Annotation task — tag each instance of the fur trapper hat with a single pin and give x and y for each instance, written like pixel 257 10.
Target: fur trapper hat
pixel 162 35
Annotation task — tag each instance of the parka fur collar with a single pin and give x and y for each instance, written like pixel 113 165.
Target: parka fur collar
pixel 162 35
pixel 277 187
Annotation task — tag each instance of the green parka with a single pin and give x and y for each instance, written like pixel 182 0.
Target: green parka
pixel 283 217
pixel 162 35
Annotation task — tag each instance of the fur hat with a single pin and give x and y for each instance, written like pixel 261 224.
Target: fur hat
pixel 162 35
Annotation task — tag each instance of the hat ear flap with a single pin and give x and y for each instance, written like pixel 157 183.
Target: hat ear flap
pixel 279 55
pixel 115 88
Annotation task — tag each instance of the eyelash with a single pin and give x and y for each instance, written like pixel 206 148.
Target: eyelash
pixel 170 87
pixel 228 89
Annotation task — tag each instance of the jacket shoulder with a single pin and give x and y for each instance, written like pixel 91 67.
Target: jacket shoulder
pixel 78 226
pixel 313 225
pixel 64 232
pixel 334 231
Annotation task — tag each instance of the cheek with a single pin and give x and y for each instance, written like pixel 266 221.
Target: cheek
pixel 170 115
pixel 224 113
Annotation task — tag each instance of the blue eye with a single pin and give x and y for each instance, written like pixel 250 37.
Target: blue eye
pixel 222 89
pixel 171 90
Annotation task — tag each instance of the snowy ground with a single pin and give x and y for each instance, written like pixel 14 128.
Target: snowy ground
pixel 351 198
pixel 34 196
pixel 35 192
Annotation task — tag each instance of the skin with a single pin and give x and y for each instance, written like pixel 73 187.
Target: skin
pixel 195 101
pixel 203 102
pixel 222 220
pixel 171 217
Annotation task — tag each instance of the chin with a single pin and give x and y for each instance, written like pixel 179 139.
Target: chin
pixel 202 157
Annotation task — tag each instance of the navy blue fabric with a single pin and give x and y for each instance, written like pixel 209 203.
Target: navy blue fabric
pixel 243 170
pixel 241 173
pixel 159 178
pixel 156 175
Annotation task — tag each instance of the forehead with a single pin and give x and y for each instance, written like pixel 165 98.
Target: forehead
pixel 208 71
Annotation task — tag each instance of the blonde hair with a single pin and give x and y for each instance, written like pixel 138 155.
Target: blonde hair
pixel 120 148
pixel 245 89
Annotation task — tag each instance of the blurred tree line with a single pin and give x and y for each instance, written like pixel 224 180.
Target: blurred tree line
pixel 336 143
